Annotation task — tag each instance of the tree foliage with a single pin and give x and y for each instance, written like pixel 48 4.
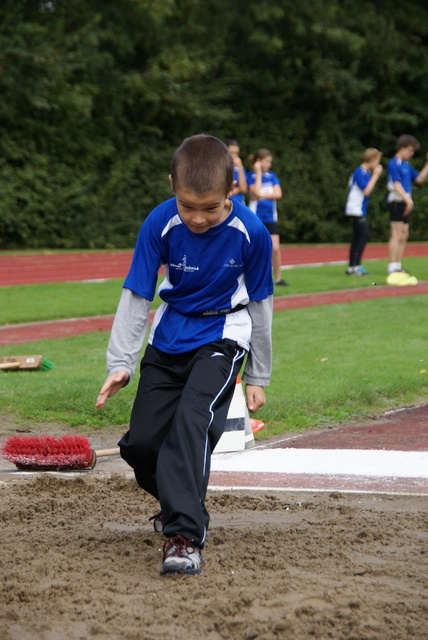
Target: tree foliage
pixel 96 95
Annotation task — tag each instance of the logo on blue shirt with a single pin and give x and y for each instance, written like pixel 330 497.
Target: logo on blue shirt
pixel 232 263
pixel 183 266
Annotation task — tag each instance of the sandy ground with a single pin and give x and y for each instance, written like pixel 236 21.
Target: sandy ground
pixel 80 560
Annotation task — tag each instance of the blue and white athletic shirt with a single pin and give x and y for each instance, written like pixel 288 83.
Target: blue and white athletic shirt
pixel 264 209
pixel 356 203
pixel 228 265
pixel 399 171
pixel 238 197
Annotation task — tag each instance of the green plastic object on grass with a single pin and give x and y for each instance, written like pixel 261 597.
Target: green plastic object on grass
pixel 20 363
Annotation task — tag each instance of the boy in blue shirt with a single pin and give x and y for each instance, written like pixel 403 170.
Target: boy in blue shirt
pixel 400 177
pixel 216 309
pixel 361 184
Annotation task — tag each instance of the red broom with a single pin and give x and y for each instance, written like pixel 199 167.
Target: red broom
pixel 47 453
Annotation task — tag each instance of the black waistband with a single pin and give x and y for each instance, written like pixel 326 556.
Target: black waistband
pixel 216 312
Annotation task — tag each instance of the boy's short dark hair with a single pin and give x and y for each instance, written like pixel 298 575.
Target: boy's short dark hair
pixel 407 141
pixel 202 164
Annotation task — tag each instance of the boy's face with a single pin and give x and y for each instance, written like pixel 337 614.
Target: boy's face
pixel 201 212
pixel 406 153
pixel 373 162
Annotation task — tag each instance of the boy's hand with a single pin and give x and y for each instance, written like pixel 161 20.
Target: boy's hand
pixel 255 397
pixel 112 384
pixel 377 170
pixel 408 208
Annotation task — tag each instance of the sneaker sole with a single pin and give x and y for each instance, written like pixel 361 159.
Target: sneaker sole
pixel 176 570
pixel 171 571
pixel 189 572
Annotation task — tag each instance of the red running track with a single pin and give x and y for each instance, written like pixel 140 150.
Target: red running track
pixel 34 331
pixel 26 268
pixel 36 268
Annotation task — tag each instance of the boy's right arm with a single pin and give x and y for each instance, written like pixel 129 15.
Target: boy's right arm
pixel 406 198
pixel 395 178
pixel 111 386
pixel 373 179
pixel 126 340
pixel 242 186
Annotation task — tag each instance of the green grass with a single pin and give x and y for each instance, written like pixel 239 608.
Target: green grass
pixel 32 303
pixel 336 362
pixel 56 301
pixel 66 393
pixel 331 363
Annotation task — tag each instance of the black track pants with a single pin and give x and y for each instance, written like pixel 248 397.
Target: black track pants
pixel 179 414
pixel 360 237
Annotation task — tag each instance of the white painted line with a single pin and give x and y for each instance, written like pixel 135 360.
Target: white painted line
pixel 360 462
pixel 322 264
pixel 298 489
pixel 313 264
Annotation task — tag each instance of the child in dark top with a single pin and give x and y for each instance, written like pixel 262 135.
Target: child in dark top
pixel 216 310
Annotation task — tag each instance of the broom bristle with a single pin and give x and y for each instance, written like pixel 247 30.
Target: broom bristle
pixel 31 452
pixel 46 365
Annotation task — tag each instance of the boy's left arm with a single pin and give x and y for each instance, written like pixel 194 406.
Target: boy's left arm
pixel 423 173
pixel 258 366
pixel 255 397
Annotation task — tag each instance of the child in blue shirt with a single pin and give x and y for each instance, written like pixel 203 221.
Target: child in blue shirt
pixel 239 173
pixel 400 177
pixel 265 190
pixel 361 184
pixel 216 310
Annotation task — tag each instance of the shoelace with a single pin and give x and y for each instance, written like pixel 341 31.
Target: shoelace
pixel 156 517
pixel 182 546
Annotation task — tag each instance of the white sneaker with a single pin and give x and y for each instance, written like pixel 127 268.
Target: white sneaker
pixel 181 556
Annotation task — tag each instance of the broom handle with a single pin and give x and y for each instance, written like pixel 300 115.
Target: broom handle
pixel 9 365
pixel 102 453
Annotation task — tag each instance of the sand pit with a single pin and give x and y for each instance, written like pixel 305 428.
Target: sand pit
pixel 80 560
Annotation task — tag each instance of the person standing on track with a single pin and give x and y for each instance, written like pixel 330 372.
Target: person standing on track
pixel 265 190
pixel 216 309
pixel 400 177
pixel 361 184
